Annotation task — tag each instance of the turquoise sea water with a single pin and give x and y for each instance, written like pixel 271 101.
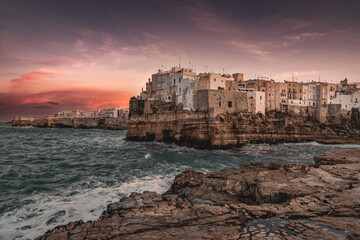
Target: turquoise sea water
pixel 52 176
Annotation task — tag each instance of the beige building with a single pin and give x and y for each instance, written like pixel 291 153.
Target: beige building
pixel 218 102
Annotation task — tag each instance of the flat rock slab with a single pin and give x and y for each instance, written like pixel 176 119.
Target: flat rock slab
pixel 288 201
pixel 339 157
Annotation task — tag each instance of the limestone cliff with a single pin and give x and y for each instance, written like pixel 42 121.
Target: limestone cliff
pixel 200 130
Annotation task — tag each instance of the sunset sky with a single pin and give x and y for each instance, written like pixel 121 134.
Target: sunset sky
pixel 86 54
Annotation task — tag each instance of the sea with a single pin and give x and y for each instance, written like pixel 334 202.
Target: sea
pixel 50 177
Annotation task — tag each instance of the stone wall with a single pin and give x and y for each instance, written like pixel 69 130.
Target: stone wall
pixel 334 109
pixel 217 102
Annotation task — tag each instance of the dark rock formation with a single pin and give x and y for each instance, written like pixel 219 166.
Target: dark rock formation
pixel 198 129
pixel 289 201
pixel 111 123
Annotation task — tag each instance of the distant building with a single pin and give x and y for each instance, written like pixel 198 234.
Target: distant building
pixel 111 112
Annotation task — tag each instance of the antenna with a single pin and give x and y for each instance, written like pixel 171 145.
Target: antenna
pixel 292 77
pixel 179 62
pixel 223 71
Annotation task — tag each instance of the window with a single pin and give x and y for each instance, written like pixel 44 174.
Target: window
pixel 219 104
pixel 230 104
pixel 260 97
pixel 179 90
pixel 179 79
pixel 174 81
pixel 229 88
pixel 214 79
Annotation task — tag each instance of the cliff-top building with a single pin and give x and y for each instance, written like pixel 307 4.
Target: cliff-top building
pixel 228 93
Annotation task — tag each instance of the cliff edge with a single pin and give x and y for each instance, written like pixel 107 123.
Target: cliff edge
pixel 288 201
pixel 199 129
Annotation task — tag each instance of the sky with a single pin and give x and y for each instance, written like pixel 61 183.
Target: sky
pixel 87 54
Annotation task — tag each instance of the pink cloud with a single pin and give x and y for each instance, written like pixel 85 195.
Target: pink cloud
pixel 26 80
pixel 62 61
pixel 253 48
pixel 13 57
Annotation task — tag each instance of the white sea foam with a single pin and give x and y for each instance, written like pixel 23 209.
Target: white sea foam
pixel 148 155
pixel 48 211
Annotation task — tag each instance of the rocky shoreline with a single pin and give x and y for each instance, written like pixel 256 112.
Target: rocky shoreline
pixel 279 201
pixel 110 123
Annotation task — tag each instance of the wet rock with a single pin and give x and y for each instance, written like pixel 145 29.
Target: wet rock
pixel 289 201
pixel 332 158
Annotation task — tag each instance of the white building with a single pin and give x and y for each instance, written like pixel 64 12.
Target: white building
pixel 347 100
pixel 259 97
pixel 182 86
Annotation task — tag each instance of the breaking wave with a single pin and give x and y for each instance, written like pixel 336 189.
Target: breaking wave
pixel 50 177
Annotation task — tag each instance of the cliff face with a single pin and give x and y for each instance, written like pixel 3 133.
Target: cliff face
pixel 198 129
pixel 117 123
pixel 288 201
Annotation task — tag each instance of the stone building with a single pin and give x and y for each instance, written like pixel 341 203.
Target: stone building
pixel 168 85
pixel 281 95
pixel 213 81
pixel 217 102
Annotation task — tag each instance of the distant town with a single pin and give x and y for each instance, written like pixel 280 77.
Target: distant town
pixel 110 112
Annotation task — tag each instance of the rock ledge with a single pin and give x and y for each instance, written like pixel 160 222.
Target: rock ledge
pixel 289 201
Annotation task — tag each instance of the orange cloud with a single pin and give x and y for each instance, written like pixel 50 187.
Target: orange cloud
pixel 29 79
pixel 49 102
pixel 35 100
